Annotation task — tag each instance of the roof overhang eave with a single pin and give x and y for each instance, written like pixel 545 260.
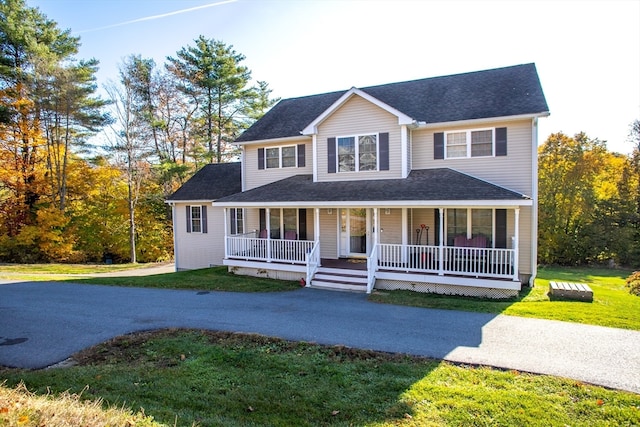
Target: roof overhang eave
pixel 282 140
pixel 424 125
pixel 511 203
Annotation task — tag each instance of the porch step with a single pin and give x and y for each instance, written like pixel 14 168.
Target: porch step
pixel 340 279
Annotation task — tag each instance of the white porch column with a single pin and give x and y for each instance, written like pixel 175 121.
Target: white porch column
pixel 267 219
pixel 376 228
pixel 405 235
pixel 226 228
pixel 516 245
pixel 316 230
pixel 441 246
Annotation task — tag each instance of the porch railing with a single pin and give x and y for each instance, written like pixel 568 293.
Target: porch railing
pixel 372 267
pixel 269 250
pixel 313 262
pixel 462 261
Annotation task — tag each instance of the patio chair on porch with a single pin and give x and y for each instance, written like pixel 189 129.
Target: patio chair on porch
pixel 290 235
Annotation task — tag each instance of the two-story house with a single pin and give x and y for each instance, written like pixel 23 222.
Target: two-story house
pixel 429 185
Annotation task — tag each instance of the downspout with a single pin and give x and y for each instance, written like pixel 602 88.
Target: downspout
pixel 441 245
pixel 226 228
pixel 534 196
pixel 174 212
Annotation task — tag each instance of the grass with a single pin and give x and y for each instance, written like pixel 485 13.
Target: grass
pixel 612 305
pixel 65 269
pixel 223 379
pixel 19 407
pixel 208 279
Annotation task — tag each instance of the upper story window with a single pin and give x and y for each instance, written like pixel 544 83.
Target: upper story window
pixel 357 153
pixel 470 143
pixel 281 157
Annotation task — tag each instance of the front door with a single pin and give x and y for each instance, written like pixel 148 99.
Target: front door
pixel 354 224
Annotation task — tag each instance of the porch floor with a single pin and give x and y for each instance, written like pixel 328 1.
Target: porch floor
pixel 345 263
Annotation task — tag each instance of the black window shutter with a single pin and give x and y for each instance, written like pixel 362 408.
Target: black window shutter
pixel 302 224
pixel 438 145
pixel 263 219
pixel 301 155
pixel 384 151
pixel 436 225
pixel 501 228
pixel 501 141
pixel 260 158
pixel 188 219
pixel 331 157
pixel 203 214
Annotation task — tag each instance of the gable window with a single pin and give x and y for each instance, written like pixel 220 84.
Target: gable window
pixel 470 143
pixel 237 221
pixel 196 219
pixel 357 153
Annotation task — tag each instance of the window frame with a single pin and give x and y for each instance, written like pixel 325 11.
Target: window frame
pixel 449 239
pixel 193 220
pixel 356 152
pixel 280 156
pixel 236 222
pixel 279 233
pixel 469 143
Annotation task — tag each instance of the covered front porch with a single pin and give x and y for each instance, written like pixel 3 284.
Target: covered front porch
pixel 398 248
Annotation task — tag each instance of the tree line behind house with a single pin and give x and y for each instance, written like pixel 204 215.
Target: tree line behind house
pixel 83 178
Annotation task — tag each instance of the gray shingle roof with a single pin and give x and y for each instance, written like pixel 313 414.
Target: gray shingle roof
pixel 211 183
pixel 499 92
pixel 421 185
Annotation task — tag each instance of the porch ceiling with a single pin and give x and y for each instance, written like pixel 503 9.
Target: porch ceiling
pixel 426 187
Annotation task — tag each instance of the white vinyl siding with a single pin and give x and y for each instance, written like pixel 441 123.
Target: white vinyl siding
pixel 254 177
pixel 512 171
pixel 359 117
pixel 198 250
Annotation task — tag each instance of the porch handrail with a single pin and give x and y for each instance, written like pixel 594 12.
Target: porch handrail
pixel 372 267
pixel 462 261
pixel 269 250
pixel 312 261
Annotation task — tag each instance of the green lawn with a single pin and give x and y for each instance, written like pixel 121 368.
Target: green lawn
pixel 612 304
pixel 222 379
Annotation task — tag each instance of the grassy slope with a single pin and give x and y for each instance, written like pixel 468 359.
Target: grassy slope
pixel 230 379
pixel 612 305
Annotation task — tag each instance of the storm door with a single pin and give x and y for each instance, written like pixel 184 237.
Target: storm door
pixel 354 224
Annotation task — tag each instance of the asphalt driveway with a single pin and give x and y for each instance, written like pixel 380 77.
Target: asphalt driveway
pixel 42 323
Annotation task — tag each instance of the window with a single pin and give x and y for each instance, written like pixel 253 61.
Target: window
pixel 237 221
pixel 273 158
pixel 482 223
pixel 360 156
pixel 456 224
pixel 280 157
pixel 286 219
pixel 196 219
pixel 289 157
pixel 471 143
pixel 469 223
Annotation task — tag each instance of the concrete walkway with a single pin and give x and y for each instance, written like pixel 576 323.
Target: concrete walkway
pixel 42 323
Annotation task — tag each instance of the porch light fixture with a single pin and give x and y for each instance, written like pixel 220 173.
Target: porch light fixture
pixel 387 211
pixel 329 211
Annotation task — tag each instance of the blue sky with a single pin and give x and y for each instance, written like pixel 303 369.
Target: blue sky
pixel 587 52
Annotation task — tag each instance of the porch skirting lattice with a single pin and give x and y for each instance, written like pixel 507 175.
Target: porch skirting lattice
pixel 444 289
